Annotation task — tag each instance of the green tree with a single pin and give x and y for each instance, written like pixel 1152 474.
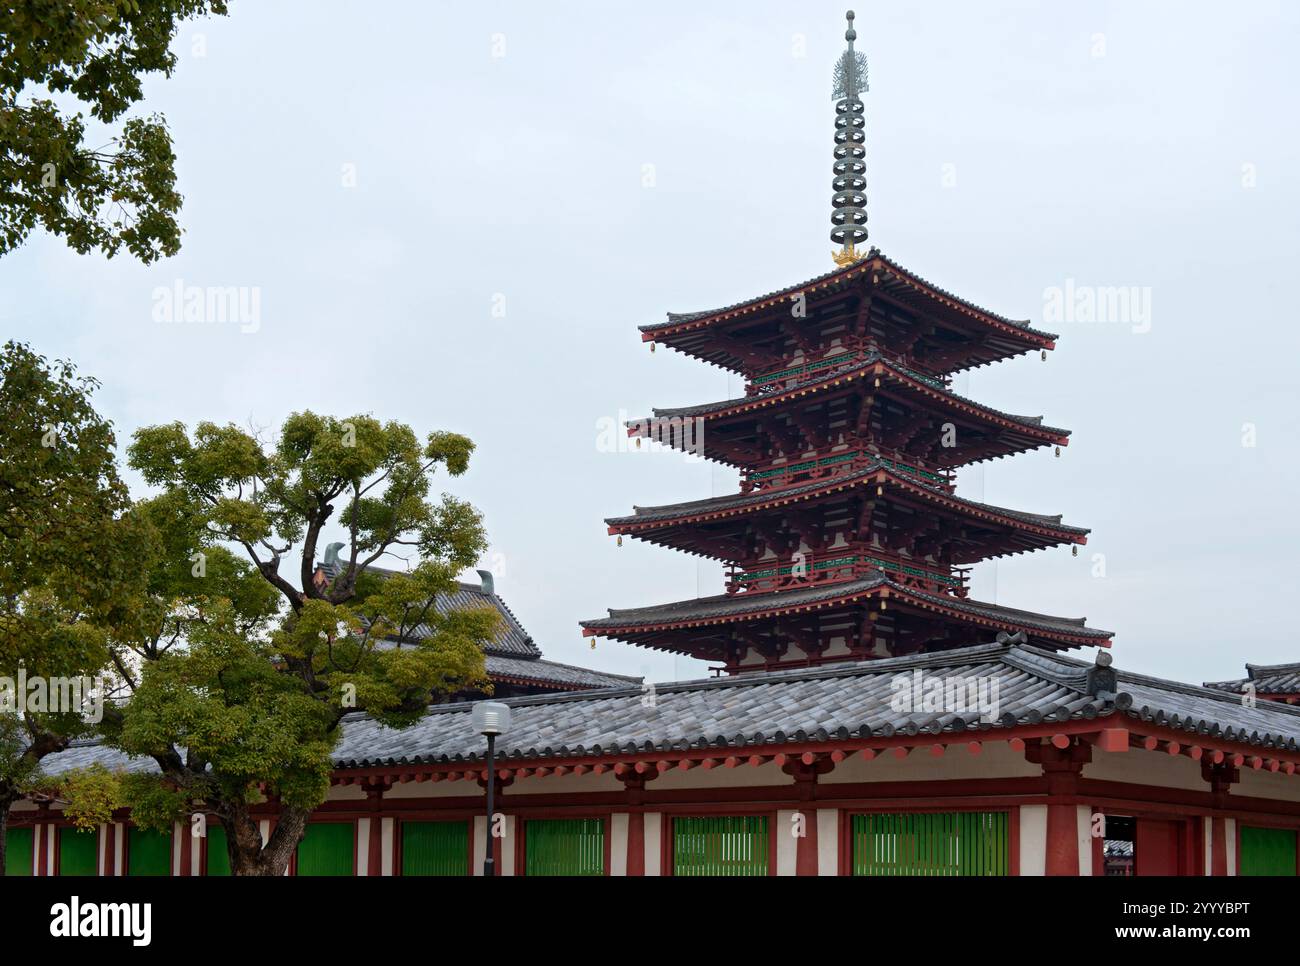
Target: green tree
pixel 242 664
pixel 67 554
pixel 122 193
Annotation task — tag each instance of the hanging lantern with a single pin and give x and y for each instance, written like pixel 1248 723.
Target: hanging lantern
pixel 620 539
pixel 652 349
pixel 638 442
pixel 1074 551
pixel 1058 451
pixel 1043 353
pixel 593 643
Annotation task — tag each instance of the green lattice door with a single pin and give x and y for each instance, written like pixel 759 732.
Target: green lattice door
pixel 18 851
pixel 435 848
pixel 931 843
pixel 1267 851
pixel 148 852
pixel 722 845
pixel 78 852
pixel 564 846
pixel 327 849
pixel 218 859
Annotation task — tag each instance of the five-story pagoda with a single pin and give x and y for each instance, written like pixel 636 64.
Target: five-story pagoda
pixel 846 540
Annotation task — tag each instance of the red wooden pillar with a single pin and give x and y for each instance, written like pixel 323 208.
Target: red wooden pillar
pixel 1221 776
pixel 636 843
pixel 1062 839
pixel 375 852
pixel 375 846
pixel 106 844
pixel 805 770
pixel 634 786
pixel 805 858
pixel 44 831
pixel 186 836
pixel 1062 760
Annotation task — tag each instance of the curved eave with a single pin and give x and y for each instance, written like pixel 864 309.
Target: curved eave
pixel 521 680
pixel 897 279
pixel 882 589
pixel 635 526
pixel 1046 435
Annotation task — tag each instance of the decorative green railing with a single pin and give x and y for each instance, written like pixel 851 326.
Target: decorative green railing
pixel 926 843
pixel 327 849
pixel 564 846
pixel 435 848
pixel 803 370
pixel 818 565
pixel 18 851
pixel 1268 851
pixel 913 470
pixel 802 467
pixel 884 564
pixel 724 845
pixel 148 852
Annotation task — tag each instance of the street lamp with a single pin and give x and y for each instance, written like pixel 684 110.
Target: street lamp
pixel 490 718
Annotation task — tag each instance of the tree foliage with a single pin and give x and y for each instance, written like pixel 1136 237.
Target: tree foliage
pixel 68 554
pixel 243 664
pixel 95 53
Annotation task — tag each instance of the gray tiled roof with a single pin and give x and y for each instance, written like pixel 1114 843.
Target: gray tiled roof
pixel 734 605
pixel 837 701
pixel 741 500
pixel 1266 678
pixel 513 639
pixel 84 753
pixel 552 672
pixel 513 654
pixel 676 318
pixel 833 702
pixel 704 409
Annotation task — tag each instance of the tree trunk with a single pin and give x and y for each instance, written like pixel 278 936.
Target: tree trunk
pixel 248 855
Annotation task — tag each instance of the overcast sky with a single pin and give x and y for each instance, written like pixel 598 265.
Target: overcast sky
pixel 457 215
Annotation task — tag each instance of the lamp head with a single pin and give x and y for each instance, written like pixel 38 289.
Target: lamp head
pixel 490 717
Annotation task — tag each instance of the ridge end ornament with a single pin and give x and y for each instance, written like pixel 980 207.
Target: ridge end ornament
pixel 849 184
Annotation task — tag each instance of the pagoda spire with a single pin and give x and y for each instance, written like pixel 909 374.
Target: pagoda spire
pixel 849 202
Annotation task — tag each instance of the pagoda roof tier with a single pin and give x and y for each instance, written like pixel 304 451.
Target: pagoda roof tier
pixel 709 620
pixel 964 334
pixel 995 434
pixel 988 531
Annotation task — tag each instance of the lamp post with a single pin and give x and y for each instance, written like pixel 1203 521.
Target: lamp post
pixel 490 718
